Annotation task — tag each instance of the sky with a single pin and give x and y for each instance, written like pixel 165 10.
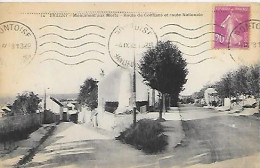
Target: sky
pixel 59 69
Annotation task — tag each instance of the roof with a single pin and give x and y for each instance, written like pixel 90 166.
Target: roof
pixel 70 105
pixel 72 111
pixel 210 91
pixel 6 108
pixel 56 101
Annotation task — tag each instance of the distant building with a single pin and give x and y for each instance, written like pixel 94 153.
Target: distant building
pixel 1 111
pixel 55 106
pixel 69 110
pixel 6 111
pixel 210 96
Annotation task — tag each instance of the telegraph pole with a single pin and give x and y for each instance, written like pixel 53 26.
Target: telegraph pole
pixel 134 94
pixel 44 105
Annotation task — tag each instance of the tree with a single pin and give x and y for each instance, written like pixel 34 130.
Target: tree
pixel 89 93
pixel 253 80
pixel 239 81
pixel 225 87
pixel 200 94
pixel 26 103
pixel 164 69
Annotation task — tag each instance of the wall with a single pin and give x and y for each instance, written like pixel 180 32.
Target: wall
pixel 116 123
pixel 84 115
pixel 106 120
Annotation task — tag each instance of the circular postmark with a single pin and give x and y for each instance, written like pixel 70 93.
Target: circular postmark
pixel 249 31
pixel 130 41
pixel 18 44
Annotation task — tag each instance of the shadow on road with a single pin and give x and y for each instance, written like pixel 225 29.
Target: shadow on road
pixel 216 139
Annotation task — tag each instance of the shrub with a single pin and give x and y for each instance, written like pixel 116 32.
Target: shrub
pixel 146 135
pixel 74 118
pixel 111 106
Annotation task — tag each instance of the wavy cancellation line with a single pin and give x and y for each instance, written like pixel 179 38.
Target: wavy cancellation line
pixel 192 55
pixel 65 29
pixel 194 46
pixel 76 38
pixel 196 37
pixel 65 63
pixel 205 59
pixel 76 46
pixel 190 29
pixel 76 55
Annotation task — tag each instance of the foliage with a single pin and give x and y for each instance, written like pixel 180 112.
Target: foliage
pixel 243 81
pixel 239 81
pixel 187 100
pixel 200 94
pixel 164 69
pixel 88 94
pixel 26 103
pixel 74 118
pixel 111 106
pixel 253 80
pixel 146 135
pixel 17 135
pixel 225 86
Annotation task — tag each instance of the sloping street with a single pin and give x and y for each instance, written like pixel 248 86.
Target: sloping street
pixel 212 139
pixel 74 145
pixel 215 139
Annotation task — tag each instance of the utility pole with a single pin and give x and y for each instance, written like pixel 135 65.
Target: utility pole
pixel 134 95
pixel 44 105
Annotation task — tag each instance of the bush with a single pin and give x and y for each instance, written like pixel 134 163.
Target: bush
pixel 17 135
pixel 146 135
pixel 111 106
pixel 74 118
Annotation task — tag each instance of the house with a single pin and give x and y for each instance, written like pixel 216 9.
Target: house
pixel 70 112
pixel 6 111
pixel 55 106
pixel 210 96
pixel 1 112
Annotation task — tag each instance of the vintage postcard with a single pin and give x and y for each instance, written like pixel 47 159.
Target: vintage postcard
pixel 163 85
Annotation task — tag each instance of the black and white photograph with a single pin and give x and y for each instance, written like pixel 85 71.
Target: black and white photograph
pixel 129 85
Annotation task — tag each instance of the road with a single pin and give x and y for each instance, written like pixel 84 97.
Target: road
pixel 212 140
pixel 215 139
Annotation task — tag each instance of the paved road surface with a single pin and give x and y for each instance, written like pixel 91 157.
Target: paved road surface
pixel 217 139
pixel 212 139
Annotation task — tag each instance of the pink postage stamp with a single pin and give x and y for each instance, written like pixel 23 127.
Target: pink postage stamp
pixel 227 18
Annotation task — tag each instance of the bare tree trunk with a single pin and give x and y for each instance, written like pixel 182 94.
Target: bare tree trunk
pixel 163 103
pixel 258 100
pixel 160 115
pixel 160 106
